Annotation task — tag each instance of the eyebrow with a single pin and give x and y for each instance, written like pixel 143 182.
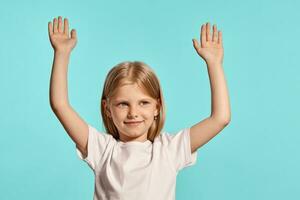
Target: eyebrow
pixel 143 99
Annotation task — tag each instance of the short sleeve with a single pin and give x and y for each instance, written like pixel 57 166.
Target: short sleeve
pixel 179 149
pixel 97 145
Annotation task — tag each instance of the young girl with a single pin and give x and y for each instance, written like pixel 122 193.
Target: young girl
pixel 135 159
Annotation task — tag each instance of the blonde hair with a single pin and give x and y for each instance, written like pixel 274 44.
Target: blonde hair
pixel 129 73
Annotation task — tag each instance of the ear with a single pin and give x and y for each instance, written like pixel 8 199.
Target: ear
pixel 106 108
pixel 158 106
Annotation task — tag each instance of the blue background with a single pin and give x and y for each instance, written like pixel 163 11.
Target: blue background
pixel 255 157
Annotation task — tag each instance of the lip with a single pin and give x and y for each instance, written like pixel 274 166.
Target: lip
pixel 133 122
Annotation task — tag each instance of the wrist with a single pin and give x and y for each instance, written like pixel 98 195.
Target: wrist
pixel 62 52
pixel 214 63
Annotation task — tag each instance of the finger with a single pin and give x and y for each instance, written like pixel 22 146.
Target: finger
pixel 197 47
pixel 60 27
pixel 215 34
pixel 208 37
pixel 220 39
pixel 66 27
pixel 50 29
pixel 196 44
pixel 73 34
pixel 203 35
pixel 55 25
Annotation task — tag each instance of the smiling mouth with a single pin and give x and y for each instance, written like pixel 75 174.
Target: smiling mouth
pixel 133 123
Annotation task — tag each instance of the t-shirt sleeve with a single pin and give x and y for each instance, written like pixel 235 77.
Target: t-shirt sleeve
pixel 179 149
pixel 97 145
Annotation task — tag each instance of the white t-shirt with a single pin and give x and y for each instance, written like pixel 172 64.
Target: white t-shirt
pixel 137 170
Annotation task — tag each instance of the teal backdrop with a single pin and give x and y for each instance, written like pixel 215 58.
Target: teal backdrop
pixel 255 157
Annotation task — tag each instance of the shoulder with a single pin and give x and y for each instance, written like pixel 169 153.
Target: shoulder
pixel 95 132
pixel 168 138
pixel 100 138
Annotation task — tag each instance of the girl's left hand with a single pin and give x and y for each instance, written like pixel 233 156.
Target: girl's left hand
pixel 211 49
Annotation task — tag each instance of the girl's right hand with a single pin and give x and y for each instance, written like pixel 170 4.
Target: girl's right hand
pixel 59 35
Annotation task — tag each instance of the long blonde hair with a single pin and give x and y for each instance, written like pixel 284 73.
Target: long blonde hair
pixel 129 73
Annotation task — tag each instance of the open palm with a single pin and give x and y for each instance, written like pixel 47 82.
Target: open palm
pixel 59 35
pixel 211 48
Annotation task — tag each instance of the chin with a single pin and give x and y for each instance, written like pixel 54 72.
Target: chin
pixel 134 133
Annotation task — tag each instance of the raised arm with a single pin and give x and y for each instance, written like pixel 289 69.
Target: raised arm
pixel 63 44
pixel 211 50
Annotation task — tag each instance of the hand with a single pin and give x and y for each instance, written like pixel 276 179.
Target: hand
pixel 211 49
pixel 59 36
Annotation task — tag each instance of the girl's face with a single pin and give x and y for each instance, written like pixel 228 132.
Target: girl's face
pixel 132 111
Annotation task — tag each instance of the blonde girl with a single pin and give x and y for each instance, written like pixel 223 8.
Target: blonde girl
pixel 135 159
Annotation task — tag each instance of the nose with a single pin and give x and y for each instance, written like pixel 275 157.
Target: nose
pixel 132 112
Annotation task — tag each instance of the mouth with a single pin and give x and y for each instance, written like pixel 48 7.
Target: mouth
pixel 133 122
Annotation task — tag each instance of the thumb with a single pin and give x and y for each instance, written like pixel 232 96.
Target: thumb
pixel 73 34
pixel 197 46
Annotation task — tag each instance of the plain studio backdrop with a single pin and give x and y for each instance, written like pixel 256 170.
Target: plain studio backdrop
pixel 254 157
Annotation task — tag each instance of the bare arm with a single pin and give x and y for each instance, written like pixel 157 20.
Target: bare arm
pixel 62 44
pixel 211 50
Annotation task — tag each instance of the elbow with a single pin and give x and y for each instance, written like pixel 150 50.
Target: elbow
pixel 57 106
pixel 53 105
pixel 222 120
pixel 227 121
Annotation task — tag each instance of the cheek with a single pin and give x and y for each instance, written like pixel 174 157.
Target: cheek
pixel 148 113
pixel 119 114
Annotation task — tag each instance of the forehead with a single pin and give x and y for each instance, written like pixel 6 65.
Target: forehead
pixel 130 91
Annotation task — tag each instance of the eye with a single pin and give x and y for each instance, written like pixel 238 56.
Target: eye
pixel 144 102
pixel 122 104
